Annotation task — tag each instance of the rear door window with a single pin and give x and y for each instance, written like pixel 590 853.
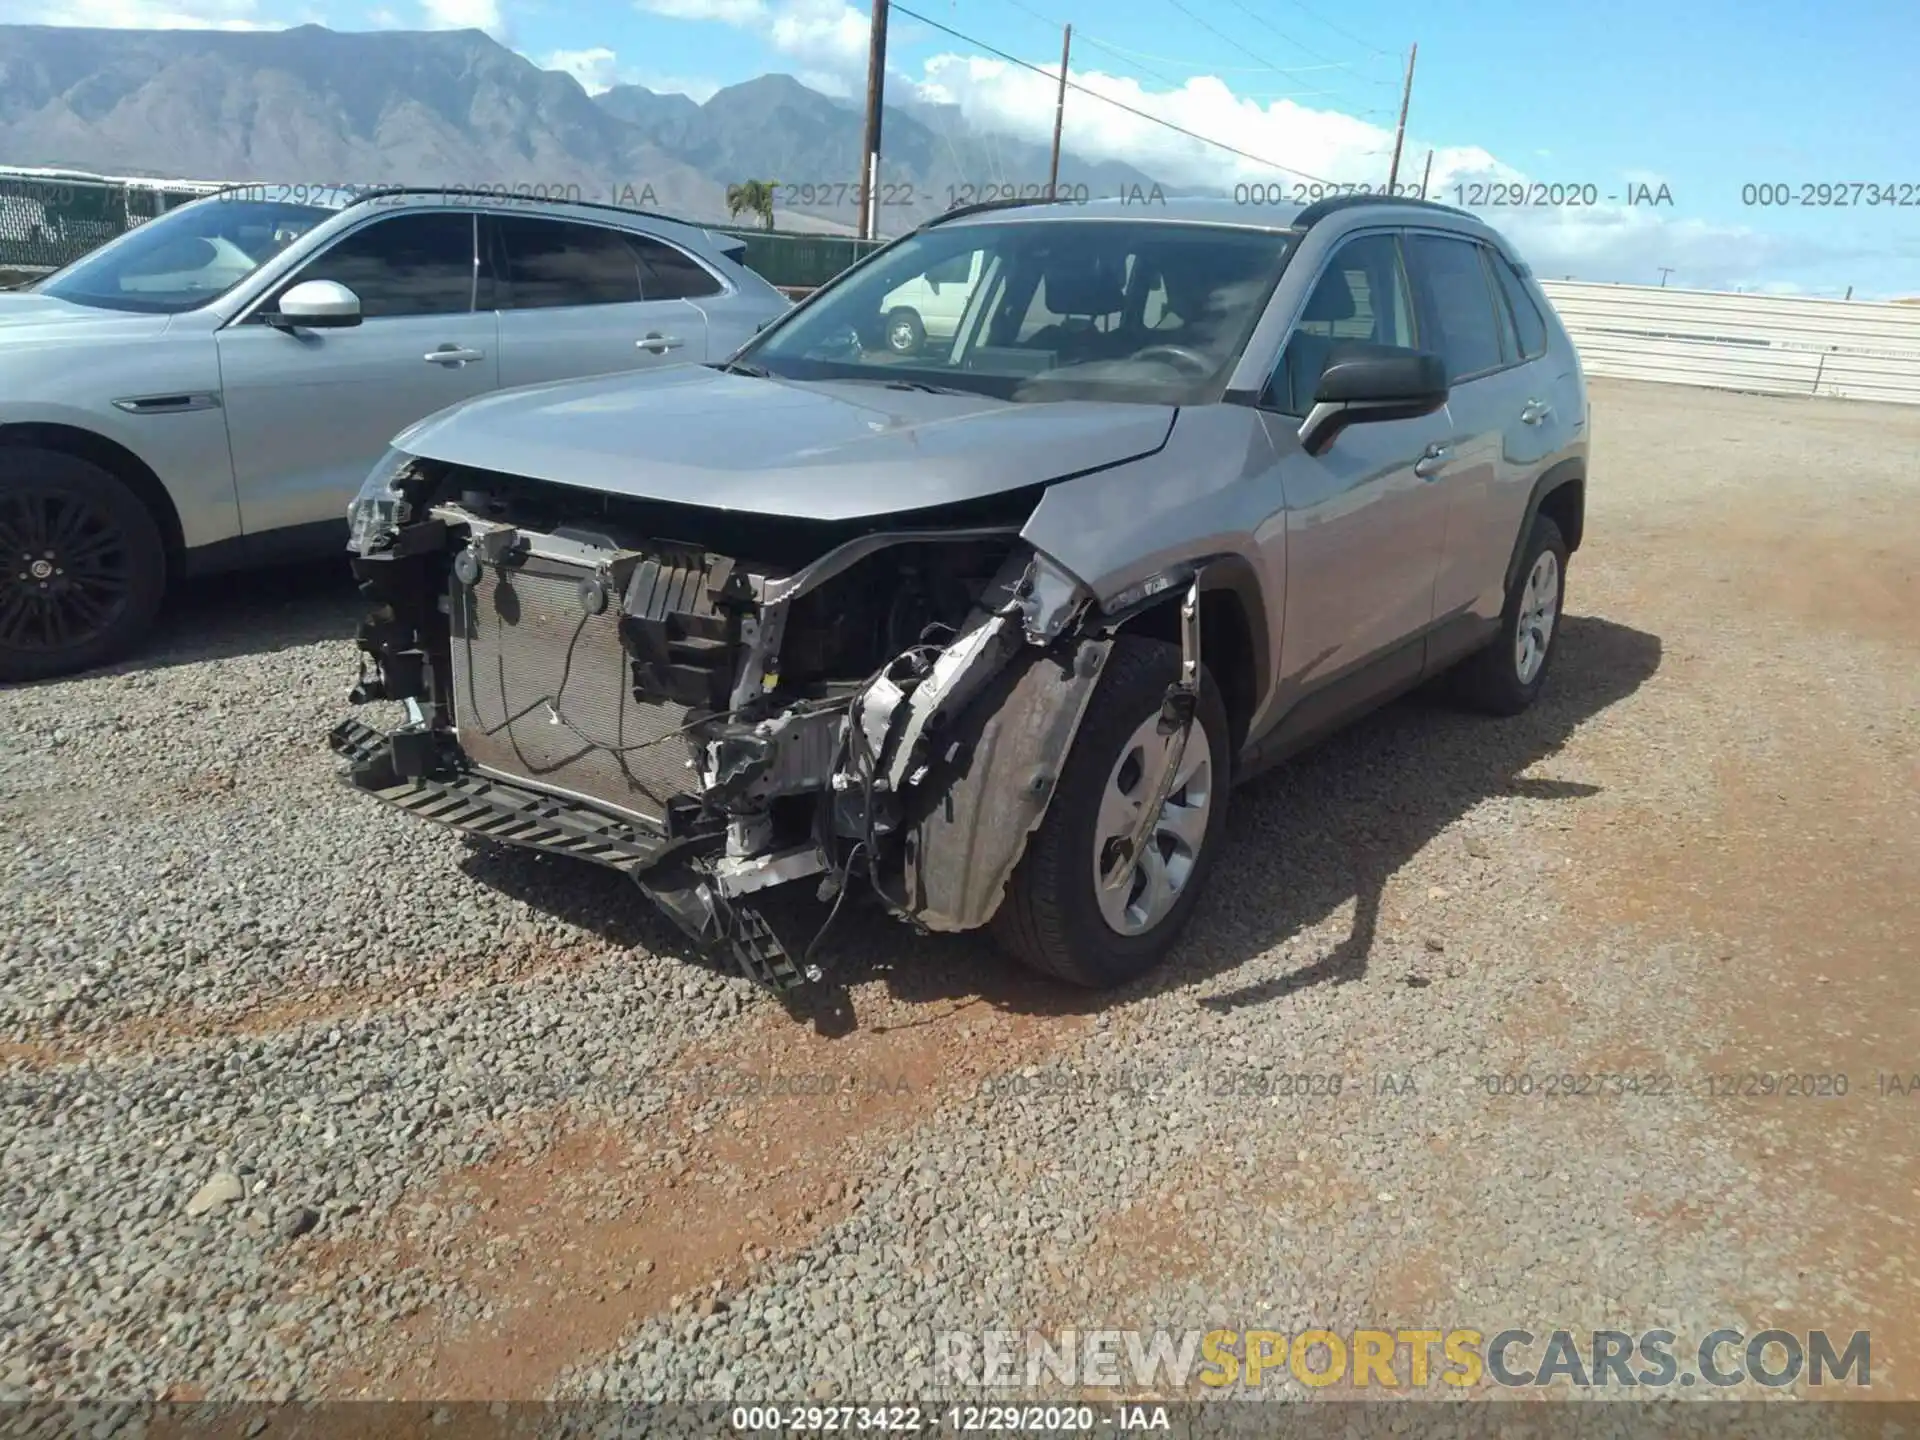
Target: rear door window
pixel 1527 320
pixel 1459 319
pixel 546 264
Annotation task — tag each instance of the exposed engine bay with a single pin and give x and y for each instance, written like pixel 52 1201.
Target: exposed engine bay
pixel 720 703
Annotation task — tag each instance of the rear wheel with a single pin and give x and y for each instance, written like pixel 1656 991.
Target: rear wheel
pixel 906 332
pixel 1507 676
pixel 85 567
pixel 1076 908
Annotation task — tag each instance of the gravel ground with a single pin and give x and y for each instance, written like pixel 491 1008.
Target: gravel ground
pixel 304 1098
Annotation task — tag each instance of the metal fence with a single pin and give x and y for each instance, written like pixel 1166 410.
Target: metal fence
pixel 795 260
pixel 49 218
pixel 1770 344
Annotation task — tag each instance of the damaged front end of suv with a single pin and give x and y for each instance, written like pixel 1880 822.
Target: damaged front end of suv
pixel 718 702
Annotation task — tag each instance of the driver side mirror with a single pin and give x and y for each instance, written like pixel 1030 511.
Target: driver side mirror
pixel 1365 382
pixel 316 305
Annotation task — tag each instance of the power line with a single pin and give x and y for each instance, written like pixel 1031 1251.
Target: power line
pixel 1215 30
pixel 1343 34
pixel 1137 58
pixel 1264 23
pixel 1208 64
pixel 1089 40
pixel 1108 99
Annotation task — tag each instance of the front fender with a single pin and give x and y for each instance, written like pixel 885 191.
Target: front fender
pixel 1002 758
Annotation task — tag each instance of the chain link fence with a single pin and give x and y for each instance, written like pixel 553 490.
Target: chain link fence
pixel 51 218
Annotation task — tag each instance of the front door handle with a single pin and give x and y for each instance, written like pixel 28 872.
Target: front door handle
pixel 1431 462
pixel 1536 411
pixel 657 344
pixel 452 355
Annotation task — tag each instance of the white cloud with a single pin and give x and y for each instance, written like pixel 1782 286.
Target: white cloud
pixel 1607 241
pixel 829 36
pixel 154 15
pixel 828 82
pixel 727 12
pixel 597 69
pixel 696 88
pixel 465 15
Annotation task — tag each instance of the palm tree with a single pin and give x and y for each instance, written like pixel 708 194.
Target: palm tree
pixel 753 197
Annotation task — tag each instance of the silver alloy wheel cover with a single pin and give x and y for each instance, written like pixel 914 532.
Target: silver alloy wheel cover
pixel 1539 608
pixel 900 335
pixel 1167 860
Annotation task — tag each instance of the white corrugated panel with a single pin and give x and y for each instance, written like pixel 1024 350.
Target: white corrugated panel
pixel 1775 344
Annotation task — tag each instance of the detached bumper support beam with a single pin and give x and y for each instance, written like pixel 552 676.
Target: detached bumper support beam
pixel 493 808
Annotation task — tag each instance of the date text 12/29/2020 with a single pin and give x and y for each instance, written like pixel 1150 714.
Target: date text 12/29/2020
pixel 955 1419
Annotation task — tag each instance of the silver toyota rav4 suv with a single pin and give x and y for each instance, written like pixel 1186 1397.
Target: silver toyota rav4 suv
pixel 991 628
pixel 208 390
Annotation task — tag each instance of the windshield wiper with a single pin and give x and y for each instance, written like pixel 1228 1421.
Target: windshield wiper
pixel 923 387
pixel 744 367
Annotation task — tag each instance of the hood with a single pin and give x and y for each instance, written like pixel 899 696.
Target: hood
pixel 816 450
pixel 24 315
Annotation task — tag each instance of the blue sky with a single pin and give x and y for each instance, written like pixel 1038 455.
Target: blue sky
pixel 1705 97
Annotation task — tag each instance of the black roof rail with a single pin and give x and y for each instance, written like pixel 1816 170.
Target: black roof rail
pixel 1011 202
pixel 1333 204
pixel 480 196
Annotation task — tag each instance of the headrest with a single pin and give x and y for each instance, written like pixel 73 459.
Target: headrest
pixel 1082 286
pixel 1332 299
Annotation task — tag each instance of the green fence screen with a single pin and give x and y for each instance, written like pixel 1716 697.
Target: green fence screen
pixel 795 260
pixel 48 221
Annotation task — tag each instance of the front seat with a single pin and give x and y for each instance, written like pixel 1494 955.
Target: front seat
pixel 1079 291
pixel 1306 355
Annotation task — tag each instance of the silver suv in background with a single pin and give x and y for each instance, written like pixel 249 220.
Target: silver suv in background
pixel 990 628
pixel 208 391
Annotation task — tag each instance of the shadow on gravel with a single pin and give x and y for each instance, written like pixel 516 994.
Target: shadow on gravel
pixel 1331 826
pixel 253 612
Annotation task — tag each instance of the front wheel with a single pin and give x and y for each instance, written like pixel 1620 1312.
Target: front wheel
pixel 1077 909
pixel 85 565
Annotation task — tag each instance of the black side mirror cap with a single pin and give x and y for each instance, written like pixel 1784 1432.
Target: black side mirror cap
pixel 1365 382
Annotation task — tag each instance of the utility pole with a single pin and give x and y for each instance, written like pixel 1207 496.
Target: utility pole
pixel 1059 115
pixel 1665 270
pixel 870 150
pixel 1406 94
pixel 1849 294
pixel 1425 177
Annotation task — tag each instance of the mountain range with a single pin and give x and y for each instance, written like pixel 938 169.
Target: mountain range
pixel 311 105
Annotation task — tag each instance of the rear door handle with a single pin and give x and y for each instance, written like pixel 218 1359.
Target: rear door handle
pixel 1432 461
pixel 1536 411
pixel 659 344
pixel 452 355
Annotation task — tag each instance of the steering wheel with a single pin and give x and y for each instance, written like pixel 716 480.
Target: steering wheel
pixel 1180 355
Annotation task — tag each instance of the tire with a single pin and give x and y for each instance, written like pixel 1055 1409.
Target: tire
pixel 906 332
pixel 97 606
pixel 1052 918
pixel 1498 679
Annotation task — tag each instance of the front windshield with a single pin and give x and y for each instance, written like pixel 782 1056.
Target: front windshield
pixel 1054 309
pixel 181 260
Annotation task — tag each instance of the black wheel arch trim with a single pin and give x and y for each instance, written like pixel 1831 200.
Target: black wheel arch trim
pixel 1573 471
pixel 1224 573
